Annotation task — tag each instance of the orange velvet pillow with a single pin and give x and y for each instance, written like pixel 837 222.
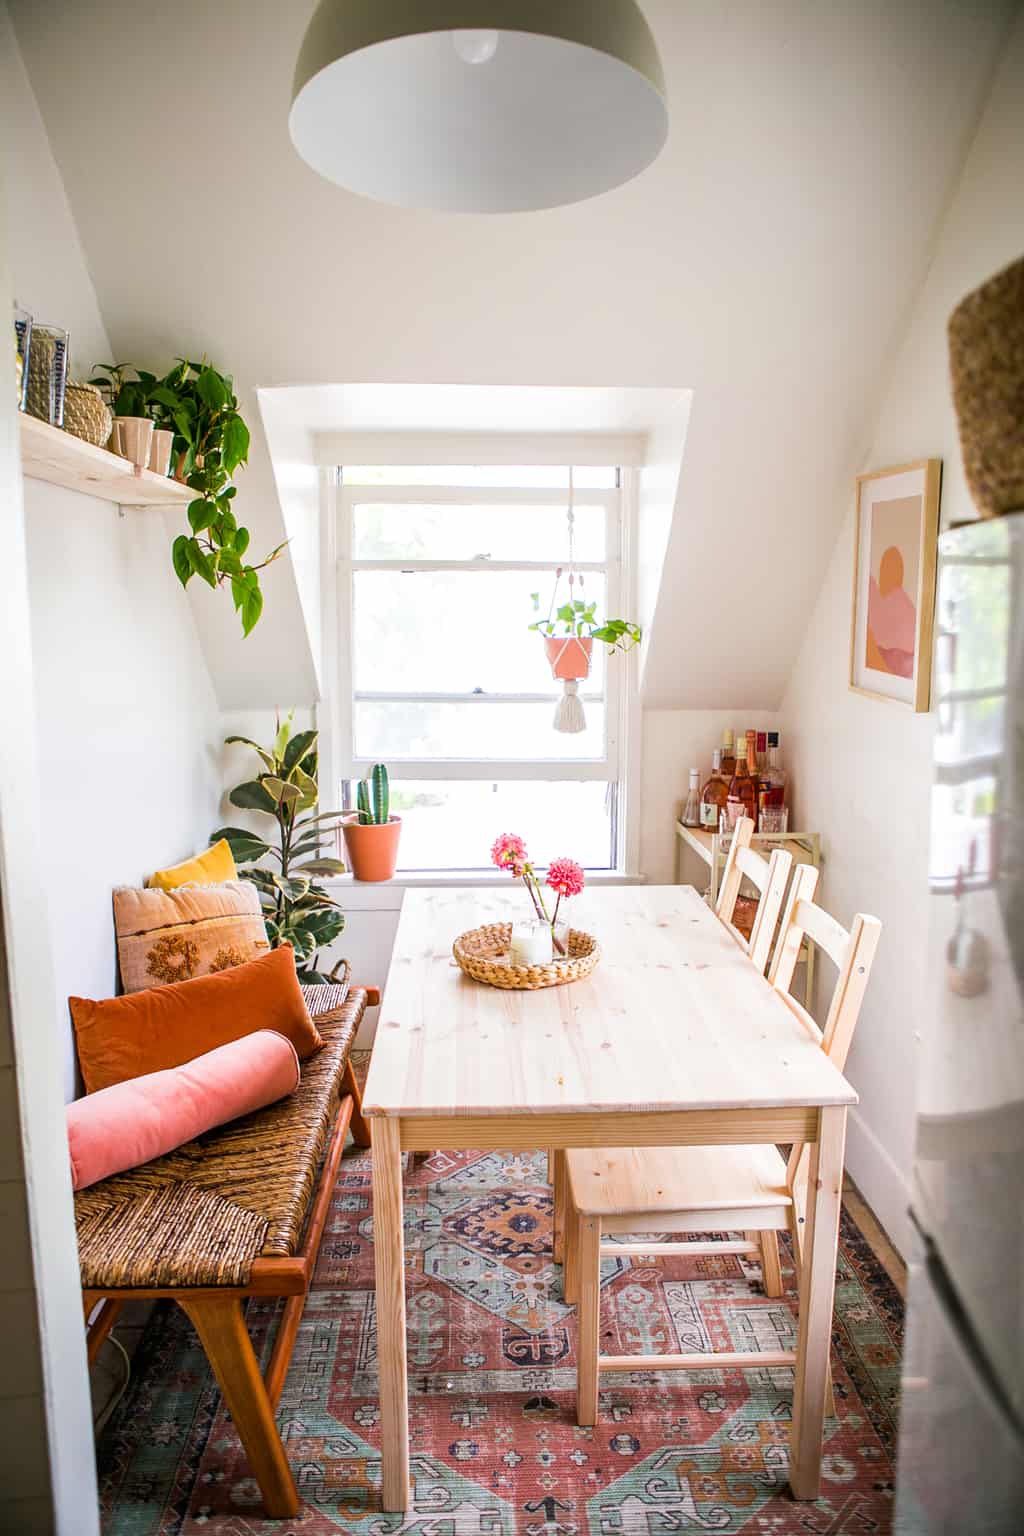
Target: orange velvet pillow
pixel 163 1027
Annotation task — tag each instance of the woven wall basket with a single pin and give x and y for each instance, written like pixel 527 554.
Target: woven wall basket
pixel 86 415
pixel 483 954
pixel 986 353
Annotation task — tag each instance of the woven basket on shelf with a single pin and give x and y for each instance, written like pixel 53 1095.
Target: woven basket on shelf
pixel 483 954
pixel 86 415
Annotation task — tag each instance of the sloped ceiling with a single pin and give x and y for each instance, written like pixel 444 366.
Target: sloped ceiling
pixel 766 261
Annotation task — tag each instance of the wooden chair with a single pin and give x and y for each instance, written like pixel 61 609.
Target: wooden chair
pixel 770 876
pixel 708 1189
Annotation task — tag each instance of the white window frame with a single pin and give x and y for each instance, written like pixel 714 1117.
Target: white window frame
pixel 620 763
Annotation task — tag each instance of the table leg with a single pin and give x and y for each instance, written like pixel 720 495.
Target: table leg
pixel 817 1287
pixel 389 1262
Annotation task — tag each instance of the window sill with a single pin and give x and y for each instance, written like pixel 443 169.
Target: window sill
pixel 388 893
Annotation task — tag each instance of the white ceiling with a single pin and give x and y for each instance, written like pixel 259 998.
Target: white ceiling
pixel 767 260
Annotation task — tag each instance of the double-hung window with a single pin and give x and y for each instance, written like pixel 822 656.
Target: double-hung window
pixel 444 680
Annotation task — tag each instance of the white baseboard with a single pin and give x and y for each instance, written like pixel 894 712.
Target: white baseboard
pixel 884 1187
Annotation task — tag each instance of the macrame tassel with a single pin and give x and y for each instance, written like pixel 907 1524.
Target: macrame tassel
pixel 569 716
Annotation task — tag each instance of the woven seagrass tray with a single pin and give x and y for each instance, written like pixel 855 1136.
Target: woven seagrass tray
pixel 483 954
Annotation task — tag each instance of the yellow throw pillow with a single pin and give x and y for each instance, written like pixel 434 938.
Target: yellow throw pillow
pixel 210 868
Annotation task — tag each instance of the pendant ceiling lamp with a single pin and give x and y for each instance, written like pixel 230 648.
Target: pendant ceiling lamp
pixel 497 106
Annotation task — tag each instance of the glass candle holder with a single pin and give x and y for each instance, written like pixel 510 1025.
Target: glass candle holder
pixel 531 944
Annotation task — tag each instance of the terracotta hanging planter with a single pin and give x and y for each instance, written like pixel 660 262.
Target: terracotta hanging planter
pixel 568 656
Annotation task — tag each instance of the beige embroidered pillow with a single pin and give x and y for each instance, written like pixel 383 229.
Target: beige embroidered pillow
pixel 193 930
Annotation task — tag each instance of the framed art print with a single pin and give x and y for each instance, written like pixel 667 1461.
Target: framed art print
pixel 897 529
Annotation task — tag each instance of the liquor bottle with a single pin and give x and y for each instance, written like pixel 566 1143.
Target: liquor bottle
pixel 714 794
pixel 742 797
pixel 728 755
pixel 691 810
pixel 762 752
pixel 772 791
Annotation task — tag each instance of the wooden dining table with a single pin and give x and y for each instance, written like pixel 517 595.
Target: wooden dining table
pixel 675 1039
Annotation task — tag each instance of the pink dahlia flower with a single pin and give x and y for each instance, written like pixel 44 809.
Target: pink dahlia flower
pixel 566 877
pixel 509 852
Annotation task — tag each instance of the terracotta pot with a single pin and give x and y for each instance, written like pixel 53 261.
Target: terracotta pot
pixel 569 657
pixel 160 453
pixel 373 850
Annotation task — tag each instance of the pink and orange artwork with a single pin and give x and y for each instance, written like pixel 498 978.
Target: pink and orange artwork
pixel 894 583
pixel 892 586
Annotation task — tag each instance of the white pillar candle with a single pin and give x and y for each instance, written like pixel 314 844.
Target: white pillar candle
pixel 531 944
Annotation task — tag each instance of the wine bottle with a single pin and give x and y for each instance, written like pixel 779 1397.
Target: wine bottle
pixel 728 755
pixel 714 794
pixel 742 796
pixel 691 811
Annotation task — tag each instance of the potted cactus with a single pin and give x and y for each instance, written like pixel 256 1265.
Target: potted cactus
pixel 372 833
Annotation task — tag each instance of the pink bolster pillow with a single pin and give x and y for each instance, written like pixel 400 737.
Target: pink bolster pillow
pixel 132 1122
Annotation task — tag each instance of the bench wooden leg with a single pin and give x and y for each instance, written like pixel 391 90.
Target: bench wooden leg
pixel 771 1267
pixel 560 1192
pixel 220 1324
pixel 587 1242
pixel 357 1125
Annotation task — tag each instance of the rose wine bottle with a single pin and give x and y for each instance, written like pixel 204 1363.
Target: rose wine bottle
pixel 728 755
pixel 742 797
pixel 714 794
pixel 772 792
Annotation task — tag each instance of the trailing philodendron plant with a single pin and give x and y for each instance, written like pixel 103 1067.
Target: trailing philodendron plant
pixel 373 798
pixel 211 442
pixel 283 865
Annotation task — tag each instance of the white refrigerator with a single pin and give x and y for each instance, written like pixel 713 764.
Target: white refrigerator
pixel 961 1447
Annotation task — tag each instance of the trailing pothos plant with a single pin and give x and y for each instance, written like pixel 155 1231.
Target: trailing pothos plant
pixel 284 864
pixel 580 619
pixel 211 442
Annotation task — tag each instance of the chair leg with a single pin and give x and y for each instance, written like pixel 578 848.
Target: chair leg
pixel 357 1125
pixel 220 1324
pixel 771 1268
pixel 588 1317
pixel 571 1244
pixel 560 1184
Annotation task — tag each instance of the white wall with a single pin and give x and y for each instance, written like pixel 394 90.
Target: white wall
pixel 127 723
pixel 863 768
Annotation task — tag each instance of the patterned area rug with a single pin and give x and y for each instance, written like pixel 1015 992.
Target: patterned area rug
pixel 495 1450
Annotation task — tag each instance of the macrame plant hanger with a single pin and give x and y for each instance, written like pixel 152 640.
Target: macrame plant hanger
pixel 569 655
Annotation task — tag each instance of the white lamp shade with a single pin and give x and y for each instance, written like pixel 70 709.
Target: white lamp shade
pixel 565 99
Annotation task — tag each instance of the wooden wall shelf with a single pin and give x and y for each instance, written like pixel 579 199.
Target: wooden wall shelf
pixel 60 458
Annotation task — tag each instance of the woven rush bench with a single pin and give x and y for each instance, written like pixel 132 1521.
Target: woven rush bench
pixel 238 1212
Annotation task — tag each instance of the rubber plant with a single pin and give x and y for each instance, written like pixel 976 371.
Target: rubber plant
pixel 211 443
pixel 284 864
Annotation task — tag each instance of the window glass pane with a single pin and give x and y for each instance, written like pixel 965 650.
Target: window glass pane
pixel 456 632
pixel 389 732
pixel 392 530
pixel 452 825
pixel 534 476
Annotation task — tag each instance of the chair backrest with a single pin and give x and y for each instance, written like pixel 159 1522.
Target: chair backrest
pixel 852 953
pixel 768 875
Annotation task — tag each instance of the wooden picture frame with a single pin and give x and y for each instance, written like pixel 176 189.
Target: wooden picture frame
pixel 896 532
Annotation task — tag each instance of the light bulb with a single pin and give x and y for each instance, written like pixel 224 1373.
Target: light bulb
pixel 475 47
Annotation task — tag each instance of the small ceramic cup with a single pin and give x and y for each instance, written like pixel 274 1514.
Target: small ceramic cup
pixel 160 453
pixel 136 440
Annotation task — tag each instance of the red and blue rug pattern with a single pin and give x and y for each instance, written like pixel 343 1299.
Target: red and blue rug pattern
pixel 495 1447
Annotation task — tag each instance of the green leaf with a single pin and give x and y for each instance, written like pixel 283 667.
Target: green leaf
pixel 307 785
pixel 210 389
pixel 201 564
pixel 235 449
pixel 323 867
pixel 297 749
pixel 183 424
pixel 179 557
pixel 244 741
pixel 201 515
pixel 280 792
pixel 323 926
pixel 253 797
pixel 251 607
pixel 245 846
pixel 291 886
